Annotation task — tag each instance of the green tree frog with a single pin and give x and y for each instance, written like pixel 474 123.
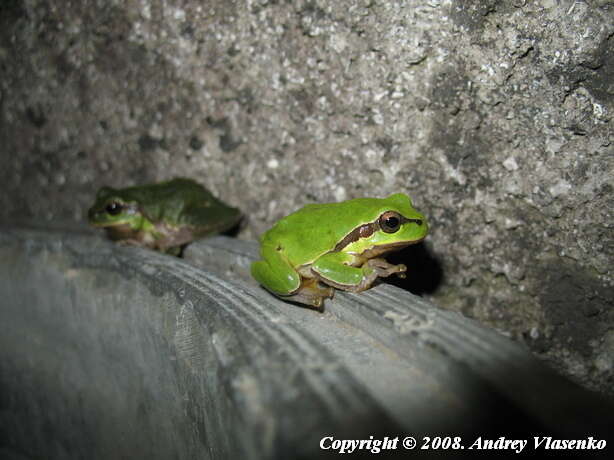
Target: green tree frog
pixel 163 216
pixel 336 245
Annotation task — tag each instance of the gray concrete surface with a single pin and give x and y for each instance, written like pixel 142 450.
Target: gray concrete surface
pixel 118 352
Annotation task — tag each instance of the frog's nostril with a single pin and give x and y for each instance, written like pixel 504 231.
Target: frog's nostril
pixel 418 221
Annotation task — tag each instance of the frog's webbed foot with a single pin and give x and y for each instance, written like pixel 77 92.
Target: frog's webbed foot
pixel 385 269
pixel 311 293
pixel 374 269
pixel 130 242
pixel 174 251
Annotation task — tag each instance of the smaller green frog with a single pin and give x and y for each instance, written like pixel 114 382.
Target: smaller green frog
pixel 163 216
pixel 337 245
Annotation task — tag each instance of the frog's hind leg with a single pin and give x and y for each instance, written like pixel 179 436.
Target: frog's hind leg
pixel 311 292
pixel 277 275
pixel 275 272
pixel 173 240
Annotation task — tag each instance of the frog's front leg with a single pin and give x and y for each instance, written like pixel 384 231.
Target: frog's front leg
pixel 133 242
pixel 385 269
pixel 151 244
pixel 336 269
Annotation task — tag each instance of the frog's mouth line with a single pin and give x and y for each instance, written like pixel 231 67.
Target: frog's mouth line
pixel 108 224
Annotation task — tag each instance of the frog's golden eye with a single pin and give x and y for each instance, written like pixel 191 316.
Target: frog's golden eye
pixel 113 208
pixel 390 221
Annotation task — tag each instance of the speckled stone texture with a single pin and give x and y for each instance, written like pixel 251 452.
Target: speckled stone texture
pixel 495 116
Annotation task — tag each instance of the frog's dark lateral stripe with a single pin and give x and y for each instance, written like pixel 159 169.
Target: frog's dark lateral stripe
pixel 366 230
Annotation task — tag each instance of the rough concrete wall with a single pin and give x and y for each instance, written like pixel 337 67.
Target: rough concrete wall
pixel 495 116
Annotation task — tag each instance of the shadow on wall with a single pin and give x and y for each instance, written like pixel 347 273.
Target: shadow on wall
pixel 424 270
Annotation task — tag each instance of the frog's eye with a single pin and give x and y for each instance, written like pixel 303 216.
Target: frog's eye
pixel 390 221
pixel 113 208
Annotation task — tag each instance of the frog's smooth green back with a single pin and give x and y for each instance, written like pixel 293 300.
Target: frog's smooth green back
pixel 317 228
pixel 179 202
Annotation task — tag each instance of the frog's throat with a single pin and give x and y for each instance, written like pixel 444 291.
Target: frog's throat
pixel 385 248
pixel 366 230
pixel 120 231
